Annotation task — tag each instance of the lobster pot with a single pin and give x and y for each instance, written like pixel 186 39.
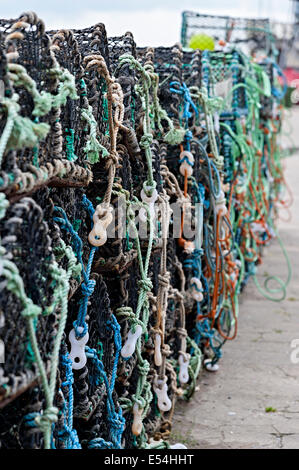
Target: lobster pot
pixel 249 34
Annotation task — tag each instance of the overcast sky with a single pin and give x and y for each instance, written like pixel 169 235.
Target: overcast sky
pixel 153 22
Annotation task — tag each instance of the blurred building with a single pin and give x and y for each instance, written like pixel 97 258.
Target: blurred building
pixel 296 10
pixel 292 57
pixel 287 43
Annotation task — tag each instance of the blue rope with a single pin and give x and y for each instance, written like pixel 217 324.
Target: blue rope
pixel 87 288
pixel 203 330
pixel 183 90
pixel 279 94
pixel 115 418
pixel 68 434
pixel 87 285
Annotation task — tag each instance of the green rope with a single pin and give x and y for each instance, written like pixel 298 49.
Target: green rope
pixel 143 89
pixel 93 148
pixel 267 291
pixel 70 152
pixel 19 132
pixel 45 101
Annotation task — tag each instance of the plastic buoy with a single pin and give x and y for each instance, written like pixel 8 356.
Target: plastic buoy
pixel 202 42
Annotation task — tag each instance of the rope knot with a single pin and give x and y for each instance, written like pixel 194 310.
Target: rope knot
pixel 117 423
pixel 197 253
pixel 88 288
pixel 188 135
pixel 164 280
pixel 145 284
pixel 182 332
pixel 219 161
pixel 125 311
pixel 146 140
pixel 166 351
pixel 139 400
pixel 31 310
pixel 113 157
pixel 56 272
pixel 48 417
pixel 144 368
